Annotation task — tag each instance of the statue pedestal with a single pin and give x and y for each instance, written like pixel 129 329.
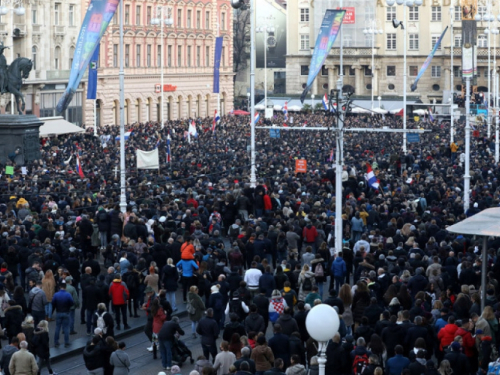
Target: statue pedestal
pixel 20 132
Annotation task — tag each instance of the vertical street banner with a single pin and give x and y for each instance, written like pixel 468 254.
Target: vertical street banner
pixel 328 32
pixel 92 84
pixel 217 56
pixel 428 60
pixel 97 18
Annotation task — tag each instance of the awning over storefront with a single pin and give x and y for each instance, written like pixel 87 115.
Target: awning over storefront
pixel 56 126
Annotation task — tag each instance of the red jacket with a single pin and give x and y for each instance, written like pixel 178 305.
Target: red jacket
pixel 446 335
pixel 158 320
pixel 268 205
pixel 310 234
pixel 118 292
pixel 468 342
pixel 187 251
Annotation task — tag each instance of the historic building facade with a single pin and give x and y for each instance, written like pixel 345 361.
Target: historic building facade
pixel 188 62
pixel 424 26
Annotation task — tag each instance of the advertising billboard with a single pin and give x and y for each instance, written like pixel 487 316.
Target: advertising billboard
pixel 271 14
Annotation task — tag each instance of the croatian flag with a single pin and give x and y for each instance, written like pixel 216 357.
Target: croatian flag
pixel 215 121
pixel 325 102
pixel 79 169
pixel 256 118
pixel 192 131
pixel 430 115
pixel 285 111
pixel 169 155
pixel 371 178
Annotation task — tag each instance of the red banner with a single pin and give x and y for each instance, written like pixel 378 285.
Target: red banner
pixel 350 15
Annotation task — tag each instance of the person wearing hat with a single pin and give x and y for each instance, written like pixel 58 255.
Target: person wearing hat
pixel 458 361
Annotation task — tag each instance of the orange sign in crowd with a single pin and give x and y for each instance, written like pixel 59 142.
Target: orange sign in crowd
pixel 300 166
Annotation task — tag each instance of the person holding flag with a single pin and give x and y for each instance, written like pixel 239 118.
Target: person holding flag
pixel 215 120
pixel 285 111
pixel 169 155
pixel 373 181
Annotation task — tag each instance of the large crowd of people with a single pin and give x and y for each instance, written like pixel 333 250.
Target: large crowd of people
pixel 252 261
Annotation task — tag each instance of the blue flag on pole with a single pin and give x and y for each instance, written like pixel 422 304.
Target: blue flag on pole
pixel 217 56
pixel 92 85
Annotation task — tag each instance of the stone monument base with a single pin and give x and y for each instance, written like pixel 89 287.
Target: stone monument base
pixel 22 133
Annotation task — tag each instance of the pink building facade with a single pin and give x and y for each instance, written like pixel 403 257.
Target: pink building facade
pixel 188 62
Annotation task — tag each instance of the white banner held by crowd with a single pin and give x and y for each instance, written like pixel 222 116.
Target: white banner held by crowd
pixel 148 159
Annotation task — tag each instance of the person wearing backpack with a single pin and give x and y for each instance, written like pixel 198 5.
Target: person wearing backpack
pixel 104 320
pixel 306 282
pixel 318 267
pixel 338 271
pixel 360 356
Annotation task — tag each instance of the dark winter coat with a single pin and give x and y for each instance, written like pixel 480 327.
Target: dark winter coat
pixel 40 343
pixel 13 320
pixel 169 278
pixel 255 322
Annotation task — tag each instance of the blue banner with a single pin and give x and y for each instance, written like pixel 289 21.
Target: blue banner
pixel 217 56
pixel 274 133
pixel 413 138
pixel 428 60
pixel 326 37
pixel 92 85
pixel 97 18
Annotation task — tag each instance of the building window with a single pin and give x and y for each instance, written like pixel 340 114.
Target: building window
pixel 158 55
pixel 207 56
pixel 391 41
pixel 390 13
pixel 148 15
pixel 179 56
pixel 198 56
pixel 179 17
pixel 198 19
pixel 368 71
pixel 169 56
pixel 304 14
pixel 352 71
pixel 304 70
pixel 189 56
pixel 413 70
pixel 223 21
pixel 115 55
pixel 436 13
pixel 71 15
pixel 414 42
pixel 348 42
pixel 33 56
pixel 304 41
pixel 57 58
pixel 127 14
pixel 207 20
pixel 481 10
pixel 485 73
pixel 457 13
pixel 458 41
pixel 148 55
pixel 324 71
pixel 57 14
pixel 482 41
pixel 413 13
pixel 435 71
pixel 434 40
pixel 368 40
pixel 223 56
pixel 391 70
pixel 138 55
pixel 138 15
pixel 189 13
pixel 457 72
pixel 127 55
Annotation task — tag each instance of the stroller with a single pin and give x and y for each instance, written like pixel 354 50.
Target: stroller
pixel 180 352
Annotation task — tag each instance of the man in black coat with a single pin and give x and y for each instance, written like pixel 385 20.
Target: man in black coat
pixel 93 297
pixel 458 361
pixel 262 303
pixel 73 266
pixel 300 318
pixel 166 338
pixel 416 331
pixel 372 312
pixel 382 323
pixel 208 329
pixel 86 231
pixel 333 300
pixel 392 335
pixel 336 358
pixel 254 322
pixel 287 323
pixel 234 326
pixel 245 357
pixel 280 345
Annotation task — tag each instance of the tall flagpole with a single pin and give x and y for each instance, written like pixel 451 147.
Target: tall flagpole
pixel 123 198
pixel 218 91
pixel 253 177
pixel 452 45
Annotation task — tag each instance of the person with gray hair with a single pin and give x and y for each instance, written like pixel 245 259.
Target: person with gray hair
pixel 23 362
pixel 245 357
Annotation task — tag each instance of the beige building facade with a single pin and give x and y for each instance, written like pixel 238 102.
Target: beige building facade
pixel 188 62
pixel 424 25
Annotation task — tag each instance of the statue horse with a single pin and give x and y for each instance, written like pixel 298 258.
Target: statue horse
pixel 16 72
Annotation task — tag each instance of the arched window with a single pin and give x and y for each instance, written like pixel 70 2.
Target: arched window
pixel 57 58
pixel 33 57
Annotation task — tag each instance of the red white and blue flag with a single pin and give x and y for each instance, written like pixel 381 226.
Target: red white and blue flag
pixel 256 118
pixel 215 120
pixel 331 155
pixel 325 102
pixel 430 115
pixel 285 111
pixel 79 169
pixel 169 155
pixel 371 178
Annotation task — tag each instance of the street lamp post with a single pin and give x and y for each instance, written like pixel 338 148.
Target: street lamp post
pixel 121 75
pixel 19 10
pixel 322 323
pixel 396 24
pixel 452 46
pixel 372 31
pixel 248 101
pixel 265 30
pixel 312 103
pixel 162 21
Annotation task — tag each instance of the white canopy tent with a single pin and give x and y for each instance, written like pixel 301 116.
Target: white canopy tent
pixel 379 111
pixel 54 126
pixel 485 224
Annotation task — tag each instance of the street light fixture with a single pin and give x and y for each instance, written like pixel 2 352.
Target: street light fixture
pixel 322 323
pixel 373 31
pixel 162 21
pixel 396 24
pixel 265 30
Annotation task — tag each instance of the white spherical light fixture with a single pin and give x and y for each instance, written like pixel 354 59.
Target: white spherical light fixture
pixel 322 322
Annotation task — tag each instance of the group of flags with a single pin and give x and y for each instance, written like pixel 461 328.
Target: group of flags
pixel 325 104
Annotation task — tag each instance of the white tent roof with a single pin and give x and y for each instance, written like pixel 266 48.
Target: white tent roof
pixel 58 125
pixel 484 223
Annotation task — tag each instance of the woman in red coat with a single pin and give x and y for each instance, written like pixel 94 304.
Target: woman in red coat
pixel 159 316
